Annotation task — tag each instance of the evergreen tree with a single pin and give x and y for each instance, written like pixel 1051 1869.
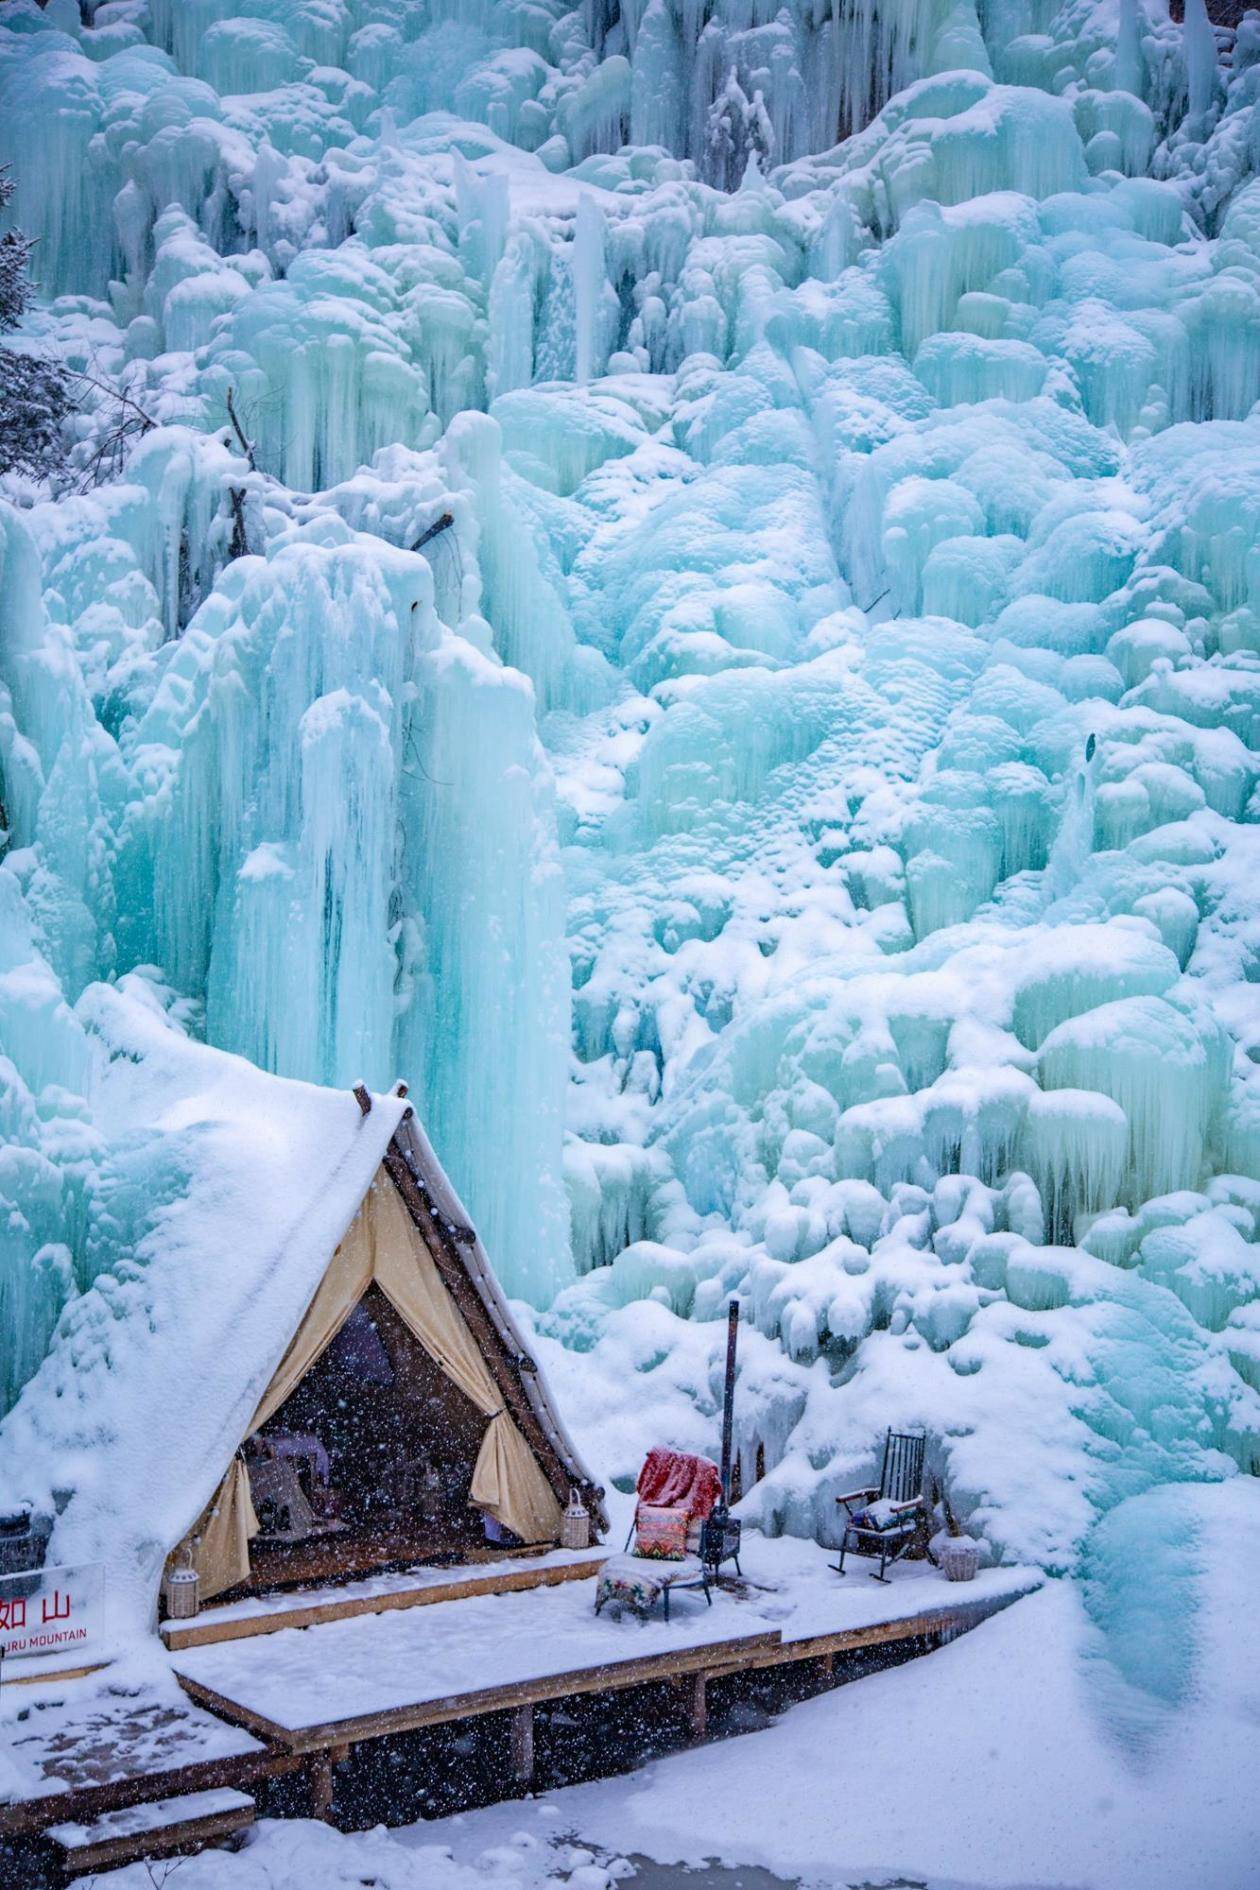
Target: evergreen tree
pixel 34 395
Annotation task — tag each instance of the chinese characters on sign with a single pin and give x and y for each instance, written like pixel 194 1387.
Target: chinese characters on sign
pixel 50 1610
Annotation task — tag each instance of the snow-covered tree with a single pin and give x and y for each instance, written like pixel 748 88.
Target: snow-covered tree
pixel 34 395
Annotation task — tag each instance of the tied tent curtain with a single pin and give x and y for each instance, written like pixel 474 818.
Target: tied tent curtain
pixel 506 1478
pixel 382 1245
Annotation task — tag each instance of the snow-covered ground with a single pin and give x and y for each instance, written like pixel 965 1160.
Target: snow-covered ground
pixel 1021 1754
pixel 1034 1753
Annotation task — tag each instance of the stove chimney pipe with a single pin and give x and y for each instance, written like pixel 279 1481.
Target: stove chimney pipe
pixel 728 1400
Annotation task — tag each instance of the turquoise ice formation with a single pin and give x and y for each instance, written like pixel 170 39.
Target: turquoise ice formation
pixel 796 826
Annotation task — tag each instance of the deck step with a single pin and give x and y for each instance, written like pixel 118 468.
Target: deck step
pixel 161 1826
pixel 421 1587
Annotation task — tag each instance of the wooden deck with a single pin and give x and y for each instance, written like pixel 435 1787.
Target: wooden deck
pixel 316 1693
pixel 273 1689
pixel 407 1588
pixel 724 1656
pixel 151 1830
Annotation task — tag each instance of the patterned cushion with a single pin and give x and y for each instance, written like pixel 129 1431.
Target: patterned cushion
pixel 660 1534
pixel 882 1517
pixel 624 1579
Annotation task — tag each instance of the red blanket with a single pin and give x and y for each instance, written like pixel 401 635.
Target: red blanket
pixel 676 1480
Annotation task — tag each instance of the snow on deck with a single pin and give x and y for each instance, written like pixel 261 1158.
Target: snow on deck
pixel 793 1586
pixel 389 1584
pixel 68 1736
pixel 303 1678
pixel 158 1815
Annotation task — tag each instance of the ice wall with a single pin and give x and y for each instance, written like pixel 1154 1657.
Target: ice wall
pixel 272 806
pixel 585 511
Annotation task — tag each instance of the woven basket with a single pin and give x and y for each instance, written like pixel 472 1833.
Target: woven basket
pixel 960 1558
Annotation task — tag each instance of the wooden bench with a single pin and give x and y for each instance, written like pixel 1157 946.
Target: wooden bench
pixel 156 1829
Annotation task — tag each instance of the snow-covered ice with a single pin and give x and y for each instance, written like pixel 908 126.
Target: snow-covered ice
pixel 793 827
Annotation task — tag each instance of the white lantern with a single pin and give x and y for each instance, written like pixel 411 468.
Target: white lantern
pixel 575 1525
pixel 183 1594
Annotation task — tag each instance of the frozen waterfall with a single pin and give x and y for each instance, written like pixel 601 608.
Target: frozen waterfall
pixel 688 581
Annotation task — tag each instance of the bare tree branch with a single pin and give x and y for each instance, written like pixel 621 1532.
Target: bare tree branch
pixel 247 445
pixel 239 547
pixel 143 420
pixel 441 524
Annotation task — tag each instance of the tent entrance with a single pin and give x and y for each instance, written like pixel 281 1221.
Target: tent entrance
pixel 369 1461
pixel 385 1434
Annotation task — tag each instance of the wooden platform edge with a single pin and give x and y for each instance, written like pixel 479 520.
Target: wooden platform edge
pixel 156 1842
pixel 715 1658
pixel 49 1674
pixel 179 1635
pixel 609 1677
pixel 80 1804
pixel 958 1616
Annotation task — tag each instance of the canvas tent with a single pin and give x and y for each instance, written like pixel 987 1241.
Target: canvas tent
pixel 253 1219
pixel 410 1239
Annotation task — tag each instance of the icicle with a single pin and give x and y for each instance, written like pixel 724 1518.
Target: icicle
pixel 1199 51
pixel 589 287
pixel 1130 67
pixel 1128 1051
pixel 1074 1148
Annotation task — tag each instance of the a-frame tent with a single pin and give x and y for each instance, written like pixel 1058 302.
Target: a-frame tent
pixel 243 1217
pixel 411 1240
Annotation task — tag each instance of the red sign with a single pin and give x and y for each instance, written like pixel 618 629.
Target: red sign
pixel 51 1610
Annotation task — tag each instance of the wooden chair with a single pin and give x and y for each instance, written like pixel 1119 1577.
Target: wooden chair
pixel 902 1513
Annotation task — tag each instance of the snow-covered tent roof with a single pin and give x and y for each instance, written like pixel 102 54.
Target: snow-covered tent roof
pixel 243 1185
